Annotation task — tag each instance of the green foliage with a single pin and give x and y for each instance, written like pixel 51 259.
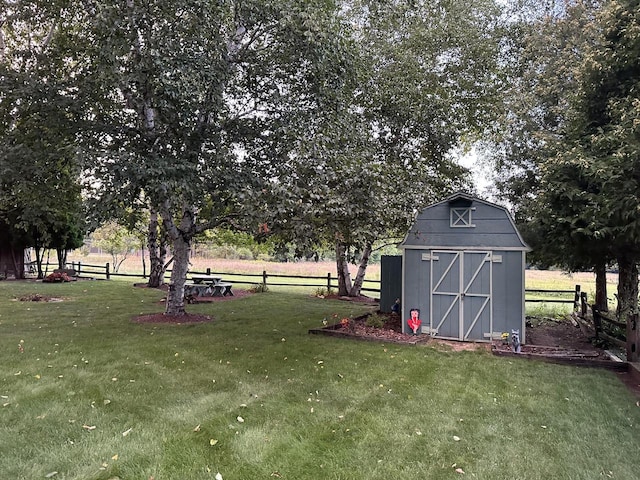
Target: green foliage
pixel 379 146
pixel 375 320
pixel 115 240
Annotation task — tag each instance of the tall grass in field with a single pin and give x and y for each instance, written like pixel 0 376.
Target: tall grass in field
pixel 87 393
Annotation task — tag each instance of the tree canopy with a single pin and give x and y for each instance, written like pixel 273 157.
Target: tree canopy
pixel 39 168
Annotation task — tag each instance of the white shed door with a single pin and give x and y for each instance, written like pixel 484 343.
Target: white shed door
pixel 460 297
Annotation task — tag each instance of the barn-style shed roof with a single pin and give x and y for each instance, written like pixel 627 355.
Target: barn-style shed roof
pixel 464 221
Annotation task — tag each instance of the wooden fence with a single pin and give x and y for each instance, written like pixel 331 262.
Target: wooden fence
pixel 269 279
pixel 328 282
pixel 625 335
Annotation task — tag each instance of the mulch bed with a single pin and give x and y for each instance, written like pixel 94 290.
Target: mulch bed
pixel 187 318
pixel 390 332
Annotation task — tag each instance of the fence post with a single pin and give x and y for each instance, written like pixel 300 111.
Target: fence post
pixel 583 303
pixel 632 338
pixel 597 323
pixel 264 277
pixel 328 282
pixel 209 271
pixel 576 297
pixel 107 270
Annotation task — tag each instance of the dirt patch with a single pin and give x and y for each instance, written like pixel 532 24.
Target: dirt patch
pixel 38 297
pixel 561 333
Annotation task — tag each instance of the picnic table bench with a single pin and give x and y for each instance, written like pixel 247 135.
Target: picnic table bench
pixel 222 289
pixel 197 290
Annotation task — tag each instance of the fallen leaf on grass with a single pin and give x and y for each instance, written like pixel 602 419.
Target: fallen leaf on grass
pixel 89 428
pixel 197 428
pixel 459 470
pixel 213 442
pixel 240 419
pixel 115 457
pixel 456 438
pixel 50 474
pixel 127 432
pixel 218 476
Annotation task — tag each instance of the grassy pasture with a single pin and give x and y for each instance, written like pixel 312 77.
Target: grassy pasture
pixel 93 395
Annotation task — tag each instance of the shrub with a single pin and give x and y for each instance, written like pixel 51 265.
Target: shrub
pixel 323 292
pixel 259 288
pixel 375 320
pixel 243 253
pixel 57 277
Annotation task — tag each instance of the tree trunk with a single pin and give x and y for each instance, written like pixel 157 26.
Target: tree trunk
pixel 181 236
pixel 362 270
pixel 627 287
pixel 175 296
pixel 39 259
pixel 342 264
pixel 601 301
pixel 62 257
pixel 157 245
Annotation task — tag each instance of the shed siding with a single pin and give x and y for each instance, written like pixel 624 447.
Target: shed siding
pixel 492 228
pixel 508 293
pixel 415 286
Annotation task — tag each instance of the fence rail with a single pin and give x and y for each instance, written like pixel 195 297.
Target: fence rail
pixel 329 282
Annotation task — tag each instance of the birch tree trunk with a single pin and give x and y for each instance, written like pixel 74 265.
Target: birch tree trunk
pixel 342 264
pixel 157 245
pixel 181 237
pixel 362 270
pixel 175 296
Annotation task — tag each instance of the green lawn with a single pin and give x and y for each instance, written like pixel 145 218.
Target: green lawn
pixel 252 395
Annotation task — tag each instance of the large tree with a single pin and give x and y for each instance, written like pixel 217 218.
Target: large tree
pixel 39 166
pixel 426 74
pixel 603 143
pixel 191 103
pixel 547 45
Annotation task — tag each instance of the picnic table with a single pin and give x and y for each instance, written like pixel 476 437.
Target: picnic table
pixel 210 279
pixel 207 285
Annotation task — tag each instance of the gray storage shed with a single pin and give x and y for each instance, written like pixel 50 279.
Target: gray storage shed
pixel 463 267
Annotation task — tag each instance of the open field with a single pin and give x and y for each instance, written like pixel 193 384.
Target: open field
pixel 551 279
pixel 86 393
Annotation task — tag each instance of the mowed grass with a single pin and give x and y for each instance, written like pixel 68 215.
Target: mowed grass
pixel 252 395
